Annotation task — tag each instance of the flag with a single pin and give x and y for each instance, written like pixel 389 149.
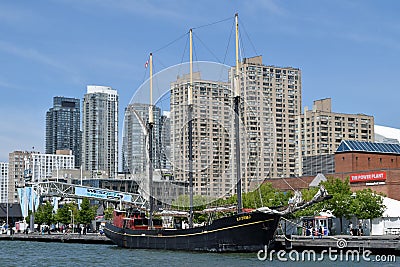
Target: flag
pixel 146 64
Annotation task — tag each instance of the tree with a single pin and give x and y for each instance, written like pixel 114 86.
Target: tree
pixel 108 213
pixel 28 218
pixel 199 203
pixel 340 204
pixel 341 201
pixel 87 213
pixel 63 214
pixel 44 214
pixel 367 205
pixel 307 195
pixel 265 196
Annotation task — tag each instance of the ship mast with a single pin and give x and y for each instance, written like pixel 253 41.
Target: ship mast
pixel 150 132
pixel 190 129
pixel 236 109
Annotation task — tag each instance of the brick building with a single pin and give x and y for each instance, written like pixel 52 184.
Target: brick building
pixel 366 164
pixel 370 165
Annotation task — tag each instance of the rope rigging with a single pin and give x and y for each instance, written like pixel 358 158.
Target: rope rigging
pixel 212 23
pixel 163 99
pixel 248 37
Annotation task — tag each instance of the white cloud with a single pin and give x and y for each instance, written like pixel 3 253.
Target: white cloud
pixel 5 84
pixel 39 57
pixel 375 40
pixel 271 6
pixel 30 53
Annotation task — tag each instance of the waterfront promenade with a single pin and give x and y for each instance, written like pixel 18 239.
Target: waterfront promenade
pixel 59 237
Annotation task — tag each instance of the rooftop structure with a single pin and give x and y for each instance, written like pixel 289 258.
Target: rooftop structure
pixel 358 146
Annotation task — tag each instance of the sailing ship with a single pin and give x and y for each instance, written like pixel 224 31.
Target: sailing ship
pixel 242 231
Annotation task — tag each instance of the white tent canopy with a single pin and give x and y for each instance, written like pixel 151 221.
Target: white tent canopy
pixel 317 180
pixel 389 223
pixel 392 207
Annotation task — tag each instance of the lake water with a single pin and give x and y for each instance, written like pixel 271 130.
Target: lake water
pixel 25 253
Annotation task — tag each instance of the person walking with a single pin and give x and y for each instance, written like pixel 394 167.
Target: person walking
pixel 360 229
pixel 311 231
pixel 351 228
pixel 320 231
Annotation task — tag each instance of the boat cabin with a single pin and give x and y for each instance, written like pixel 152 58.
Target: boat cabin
pixel 134 219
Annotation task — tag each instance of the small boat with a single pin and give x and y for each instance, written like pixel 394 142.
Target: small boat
pixel 238 231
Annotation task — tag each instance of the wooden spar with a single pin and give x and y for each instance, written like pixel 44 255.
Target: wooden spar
pixel 237 132
pixel 190 130
pixel 150 132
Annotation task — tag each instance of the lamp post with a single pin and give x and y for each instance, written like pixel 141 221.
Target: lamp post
pixel 8 225
pixel 58 167
pixel 72 221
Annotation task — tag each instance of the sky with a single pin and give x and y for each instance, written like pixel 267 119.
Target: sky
pixel 347 50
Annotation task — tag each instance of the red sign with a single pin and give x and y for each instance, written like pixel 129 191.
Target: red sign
pixel 367 177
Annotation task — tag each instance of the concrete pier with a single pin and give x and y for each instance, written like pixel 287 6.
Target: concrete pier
pixel 387 244
pixel 59 237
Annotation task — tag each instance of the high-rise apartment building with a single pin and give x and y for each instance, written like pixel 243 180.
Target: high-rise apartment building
pixel 3 182
pixel 320 134
pixel 31 166
pixel 212 124
pixel 165 141
pixel 19 171
pixel 271 102
pixel 45 165
pixel 100 130
pixel 63 127
pixel 135 150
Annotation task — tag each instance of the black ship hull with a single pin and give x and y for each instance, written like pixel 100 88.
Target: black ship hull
pixel 238 233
